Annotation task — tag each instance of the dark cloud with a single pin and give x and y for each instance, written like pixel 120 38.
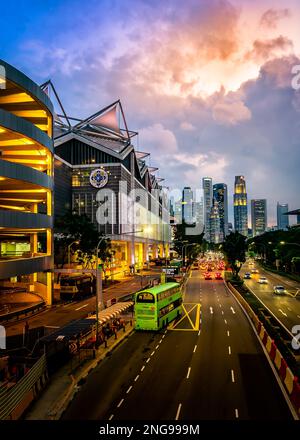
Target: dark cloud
pixel 271 17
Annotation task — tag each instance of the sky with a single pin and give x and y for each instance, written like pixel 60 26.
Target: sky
pixel 206 83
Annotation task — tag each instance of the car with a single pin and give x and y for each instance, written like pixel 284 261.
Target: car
pixel 254 271
pixel 207 276
pixel 279 290
pixel 218 276
pixel 263 280
pixel 247 276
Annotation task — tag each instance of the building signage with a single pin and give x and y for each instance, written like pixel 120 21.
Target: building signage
pixel 98 178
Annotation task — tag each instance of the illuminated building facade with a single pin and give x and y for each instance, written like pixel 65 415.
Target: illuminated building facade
pixel 216 235
pixel 258 216
pixel 26 184
pixel 208 200
pixel 99 173
pixel 187 205
pixel 240 206
pixel 220 197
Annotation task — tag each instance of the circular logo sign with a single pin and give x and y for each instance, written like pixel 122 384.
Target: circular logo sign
pixel 98 178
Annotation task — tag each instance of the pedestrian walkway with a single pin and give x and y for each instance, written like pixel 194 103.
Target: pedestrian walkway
pixel 65 383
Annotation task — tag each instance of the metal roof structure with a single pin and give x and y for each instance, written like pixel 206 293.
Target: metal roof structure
pixel 106 130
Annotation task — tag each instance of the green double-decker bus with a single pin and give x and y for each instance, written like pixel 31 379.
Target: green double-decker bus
pixel 156 307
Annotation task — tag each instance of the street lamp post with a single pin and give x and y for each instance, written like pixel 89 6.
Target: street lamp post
pixel 287 243
pixel 69 251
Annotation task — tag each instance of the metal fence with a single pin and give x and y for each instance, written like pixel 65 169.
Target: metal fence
pixel 17 395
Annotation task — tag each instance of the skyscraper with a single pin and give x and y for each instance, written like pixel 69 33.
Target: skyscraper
pixel 258 216
pixel 187 205
pixel 207 196
pixel 220 197
pixel 240 206
pixel 282 220
pixel 216 235
pixel 198 214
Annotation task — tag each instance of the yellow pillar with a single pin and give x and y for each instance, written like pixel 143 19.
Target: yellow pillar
pixel 49 289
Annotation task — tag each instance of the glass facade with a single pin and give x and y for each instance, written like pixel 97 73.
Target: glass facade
pixel 208 200
pixel 282 219
pixel 240 206
pixel 258 216
pixel 220 197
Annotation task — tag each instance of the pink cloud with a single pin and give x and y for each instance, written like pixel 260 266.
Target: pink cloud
pixel 271 17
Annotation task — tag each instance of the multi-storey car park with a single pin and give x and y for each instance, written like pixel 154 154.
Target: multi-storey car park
pixel 26 185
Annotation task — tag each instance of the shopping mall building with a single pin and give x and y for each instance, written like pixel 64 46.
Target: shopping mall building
pixel 26 185
pixel 98 172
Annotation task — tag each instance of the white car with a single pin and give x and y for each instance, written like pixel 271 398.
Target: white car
pixel 279 290
pixel 263 280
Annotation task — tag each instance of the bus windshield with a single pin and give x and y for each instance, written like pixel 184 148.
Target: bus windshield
pixel 145 297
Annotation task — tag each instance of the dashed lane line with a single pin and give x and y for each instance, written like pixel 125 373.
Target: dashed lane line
pixel 236 413
pixel 229 349
pixel 178 411
pixel 284 314
pixel 129 389
pixel 195 348
pixel 111 417
pixel 136 377
pixel 232 376
pixel 188 373
pixel 120 403
pixel 228 334
pixel 82 307
pixel 143 368
pixel 225 321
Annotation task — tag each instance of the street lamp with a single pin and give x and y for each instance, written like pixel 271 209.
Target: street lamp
pixel 187 245
pixel 293 244
pixel 69 251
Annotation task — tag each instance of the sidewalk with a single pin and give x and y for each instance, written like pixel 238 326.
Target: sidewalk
pixel 63 385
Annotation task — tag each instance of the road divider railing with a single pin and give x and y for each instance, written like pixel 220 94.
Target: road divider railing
pixel 287 377
pixel 24 313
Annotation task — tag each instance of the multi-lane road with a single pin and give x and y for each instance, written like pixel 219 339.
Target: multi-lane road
pixel 285 307
pixel 210 365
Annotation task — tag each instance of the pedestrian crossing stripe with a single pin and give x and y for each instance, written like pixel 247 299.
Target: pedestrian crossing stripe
pixel 194 326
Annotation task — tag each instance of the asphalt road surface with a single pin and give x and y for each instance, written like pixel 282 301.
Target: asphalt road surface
pixel 285 307
pixel 210 365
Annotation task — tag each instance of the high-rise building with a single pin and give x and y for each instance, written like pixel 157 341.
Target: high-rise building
pixel 198 214
pixel 207 196
pixel 240 206
pixel 187 205
pixel 220 197
pixel 282 219
pixel 258 216
pixel 216 235
pixel 178 211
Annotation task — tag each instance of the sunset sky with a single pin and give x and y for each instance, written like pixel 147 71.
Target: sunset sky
pixel 207 84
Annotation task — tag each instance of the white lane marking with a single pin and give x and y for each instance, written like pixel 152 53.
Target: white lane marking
pixel 298 316
pixel 136 377
pixel 232 376
pixel 228 334
pixel 153 352
pixel 178 411
pixel 199 332
pixel 160 341
pixel 289 309
pixel 236 413
pixel 284 314
pixel 188 373
pixel 129 389
pixel 166 331
pixel 232 309
pixel 222 312
pixel 156 347
pixel 68 305
pixel 229 349
pixel 220 305
pixel 79 308
pixel 111 417
pixel 120 403
pixel 195 348
pixel 211 310
pixel 225 321
pixel 163 336
pixel 143 368
pixel 147 360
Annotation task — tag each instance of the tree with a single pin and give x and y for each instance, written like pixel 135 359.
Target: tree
pixel 234 248
pixel 181 237
pixel 73 227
